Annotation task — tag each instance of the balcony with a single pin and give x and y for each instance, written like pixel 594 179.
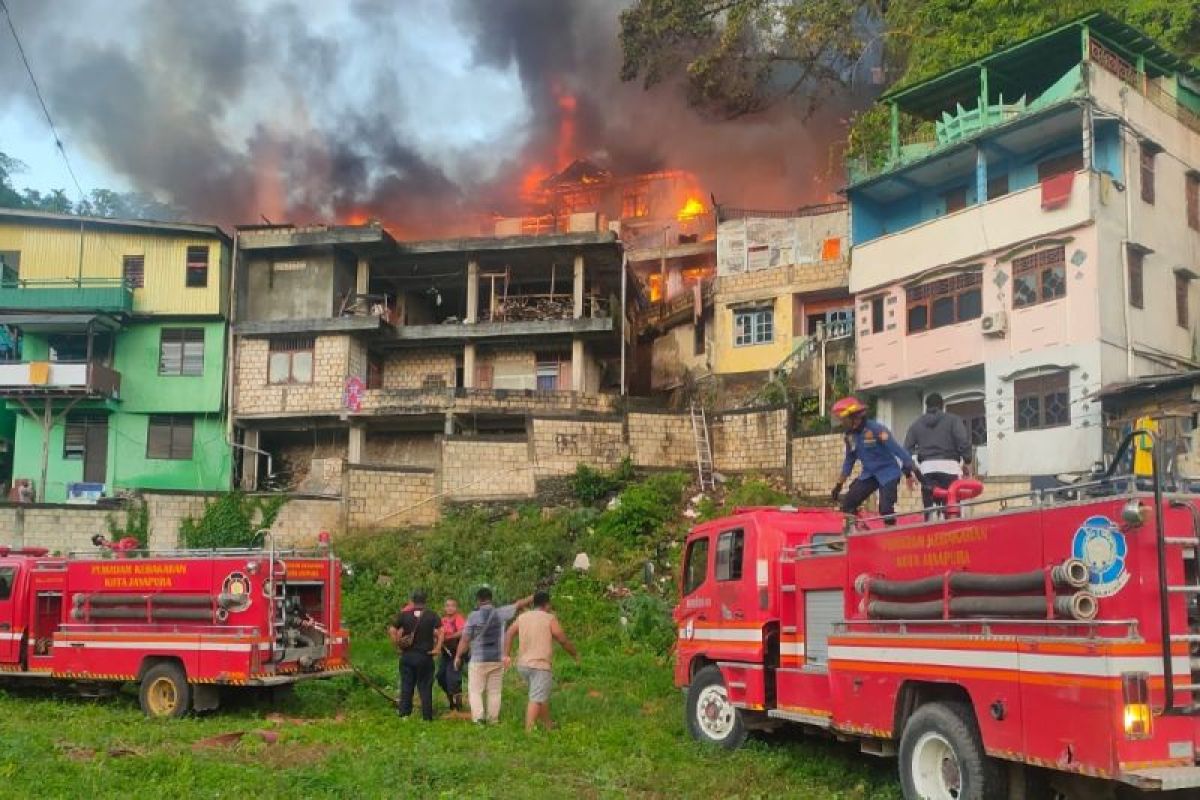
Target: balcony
pixel 58 378
pixel 105 295
pixel 437 400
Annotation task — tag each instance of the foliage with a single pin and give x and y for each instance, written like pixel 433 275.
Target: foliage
pixel 742 492
pixel 100 203
pixel 591 485
pixel 231 520
pixel 642 510
pixel 137 522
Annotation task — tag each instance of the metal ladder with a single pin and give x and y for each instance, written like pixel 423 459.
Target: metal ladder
pixel 1191 590
pixel 704 458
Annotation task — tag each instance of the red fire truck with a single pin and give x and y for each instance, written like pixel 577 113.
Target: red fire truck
pixel 181 624
pixel 1049 642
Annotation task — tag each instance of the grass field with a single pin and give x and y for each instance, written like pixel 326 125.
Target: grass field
pixel 621 735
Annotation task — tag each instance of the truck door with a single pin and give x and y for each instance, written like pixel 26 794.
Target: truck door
pixel 10 626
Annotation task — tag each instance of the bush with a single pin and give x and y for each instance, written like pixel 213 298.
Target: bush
pixel 137 523
pixel 643 509
pixel 591 485
pixel 231 520
pixel 742 492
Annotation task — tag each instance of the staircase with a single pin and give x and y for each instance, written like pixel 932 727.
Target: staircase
pixel 704 458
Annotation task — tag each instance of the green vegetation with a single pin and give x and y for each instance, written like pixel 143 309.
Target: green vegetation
pixel 621 718
pixel 231 520
pixel 137 522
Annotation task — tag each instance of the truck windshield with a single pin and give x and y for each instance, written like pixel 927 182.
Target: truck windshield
pixel 7 574
pixel 696 567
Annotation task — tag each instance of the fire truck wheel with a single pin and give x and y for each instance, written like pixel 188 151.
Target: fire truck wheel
pixel 942 757
pixel 165 691
pixel 711 718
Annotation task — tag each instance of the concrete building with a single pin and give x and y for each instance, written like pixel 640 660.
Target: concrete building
pixel 782 307
pixel 1035 239
pixel 353 348
pixel 113 354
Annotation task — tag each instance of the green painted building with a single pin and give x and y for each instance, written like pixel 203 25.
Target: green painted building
pixel 115 378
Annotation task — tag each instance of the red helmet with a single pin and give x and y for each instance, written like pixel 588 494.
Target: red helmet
pixel 847 407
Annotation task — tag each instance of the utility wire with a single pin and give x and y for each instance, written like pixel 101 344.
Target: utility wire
pixel 41 100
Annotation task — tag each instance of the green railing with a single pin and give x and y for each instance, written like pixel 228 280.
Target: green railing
pixel 111 295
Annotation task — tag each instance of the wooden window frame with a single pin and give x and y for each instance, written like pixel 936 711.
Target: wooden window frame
pixel 1147 151
pixel 75 428
pixel 1042 388
pixel 133 271
pixel 1183 291
pixel 180 437
pixel 1137 276
pixel 1191 192
pixel 973 412
pixel 878 314
pixel 196 269
pixel 183 337
pixel 953 287
pixel 292 346
pixel 1038 263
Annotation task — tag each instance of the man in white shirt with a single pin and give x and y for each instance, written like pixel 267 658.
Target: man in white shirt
pixel 940 444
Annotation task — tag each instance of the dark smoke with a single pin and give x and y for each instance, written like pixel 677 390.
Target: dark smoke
pixel 235 111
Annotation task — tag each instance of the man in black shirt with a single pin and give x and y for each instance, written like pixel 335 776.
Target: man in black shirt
pixel 417 633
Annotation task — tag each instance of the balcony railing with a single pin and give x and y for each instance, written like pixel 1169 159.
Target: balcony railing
pixel 71 379
pixel 461 399
pixel 108 295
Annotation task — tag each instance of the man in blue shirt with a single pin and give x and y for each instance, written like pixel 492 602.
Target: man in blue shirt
pixel 883 460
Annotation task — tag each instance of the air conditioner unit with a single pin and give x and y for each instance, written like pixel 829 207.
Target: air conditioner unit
pixel 994 324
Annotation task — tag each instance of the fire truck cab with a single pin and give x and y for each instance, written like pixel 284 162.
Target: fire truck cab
pixel 182 625
pixel 1047 641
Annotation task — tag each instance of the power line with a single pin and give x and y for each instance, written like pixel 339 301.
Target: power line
pixel 41 100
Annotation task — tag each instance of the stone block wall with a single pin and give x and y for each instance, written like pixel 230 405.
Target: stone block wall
pixel 416 369
pixel 816 463
pixel 60 528
pixel 661 440
pixel 167 510
pixel 793 277
pixel 389 498
pixel 478 468
pixel 302 518
pixel 331 366
pixel 750 441
pixel 560 445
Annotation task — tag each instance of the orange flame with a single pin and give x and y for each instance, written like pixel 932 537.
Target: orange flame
pixel 691 209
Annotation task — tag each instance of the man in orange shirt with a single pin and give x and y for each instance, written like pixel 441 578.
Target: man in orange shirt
pixel 448 676
pixel 537 630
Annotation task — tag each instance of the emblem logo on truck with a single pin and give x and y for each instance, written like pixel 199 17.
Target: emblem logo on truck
pixel 1100 544
pixel 235 592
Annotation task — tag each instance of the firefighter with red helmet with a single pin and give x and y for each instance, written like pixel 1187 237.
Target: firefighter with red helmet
pixel 883 460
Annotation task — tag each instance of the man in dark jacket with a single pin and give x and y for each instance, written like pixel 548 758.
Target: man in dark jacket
pixel 940 444
pixel 417 633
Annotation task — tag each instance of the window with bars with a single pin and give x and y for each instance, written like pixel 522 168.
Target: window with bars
pixel 634 203
pixel 974 416
pixel 1039 277
pixel 169 437
pixel 1043 402
pixel 1146 153
pixel 290 359
pixel 133 270
pixel 753 326
pixel 181 352
pixel 1183 283
pixel 945 302
pixel 197 267
pixel 1191 190
pixel 1136 263
pixel 75 433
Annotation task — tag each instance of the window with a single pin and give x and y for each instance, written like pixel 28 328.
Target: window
pixel 169 436
pixel 1042 402
pixel 695 568
pixel 698 335
pixel 291 360
pixel 633 203
pixel 133 270
pixel 10 265
pixel 1070 162
pixel 730 547
pixel 1183 283
pixel 974 416
pixel 1136 256
pixel 8 576
pixel 753 326
pixel 1039 277
pixel 1191 190
pixel 1146 153
pixel 374 371
pixel 944 302
pixel 75 433
pixel 197 267
pixel 956 199
pixel 997 187
pixel 181 351
pixel 876 314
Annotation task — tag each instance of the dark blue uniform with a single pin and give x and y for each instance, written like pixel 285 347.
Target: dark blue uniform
pixel 882 460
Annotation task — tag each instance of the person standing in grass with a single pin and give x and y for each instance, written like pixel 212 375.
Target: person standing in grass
pixel 537 632
pixel 417 633
pixel 449 677
pixel 482 639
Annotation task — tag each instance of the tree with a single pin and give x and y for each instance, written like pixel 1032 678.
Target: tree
pixel 100 203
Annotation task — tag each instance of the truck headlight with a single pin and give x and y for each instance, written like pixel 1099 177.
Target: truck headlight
pixel 1135 691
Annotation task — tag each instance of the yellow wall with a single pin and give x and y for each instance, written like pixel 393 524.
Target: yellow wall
pixel 751 358
pixel 51 251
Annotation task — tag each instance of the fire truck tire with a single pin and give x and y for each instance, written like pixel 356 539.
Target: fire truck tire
pixel 942 756
pixel 165 692
pixel 711 718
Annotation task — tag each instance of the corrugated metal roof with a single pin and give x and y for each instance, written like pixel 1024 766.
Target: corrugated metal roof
pixel 26 216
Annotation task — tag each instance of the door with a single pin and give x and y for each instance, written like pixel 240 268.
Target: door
pixel 10 627
pixel 95 451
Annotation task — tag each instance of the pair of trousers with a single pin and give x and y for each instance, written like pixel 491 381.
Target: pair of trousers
pixel 449 678
pixel 416 672
pixel 934 480
pixel 485 677
pixel 862 488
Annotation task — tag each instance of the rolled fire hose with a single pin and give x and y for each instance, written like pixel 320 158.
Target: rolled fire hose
pixel 159 600
pixel 135 612
pixel 1080 606
pixel 1071 574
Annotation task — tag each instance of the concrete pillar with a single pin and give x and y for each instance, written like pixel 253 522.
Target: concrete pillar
pixel 469 365
pixel 250 439
pixel 363 283
pixel 448 429
pixel 472 291
pixel 358 444
pixel 579 286
pixel 578 354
